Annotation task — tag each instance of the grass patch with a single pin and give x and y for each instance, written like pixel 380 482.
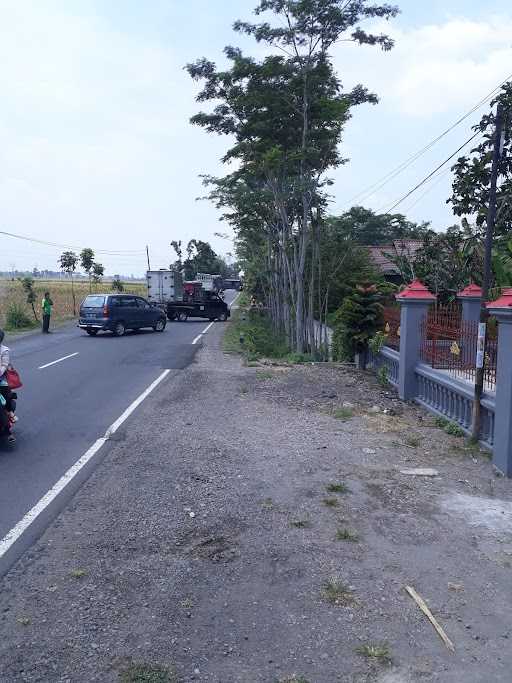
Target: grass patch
pixel 343 413
pixel 187 603
pixel 147 673
pixel 336 592
pixel 337 488
pixel 78 573
pixel 413 441
pixel 293 679
pixel 250 333
pixel 378 651
pixel 450 428
pixel 268 504
pixel 298 358
pixel 301 524
pixel 331 502
pixel 264 374
pixel 347 535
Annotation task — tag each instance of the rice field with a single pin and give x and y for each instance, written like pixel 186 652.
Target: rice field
pixel 11 292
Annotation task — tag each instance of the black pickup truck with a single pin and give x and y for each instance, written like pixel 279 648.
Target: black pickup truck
pixel 211 307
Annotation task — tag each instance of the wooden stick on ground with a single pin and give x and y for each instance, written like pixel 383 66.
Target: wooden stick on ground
pixel 424 608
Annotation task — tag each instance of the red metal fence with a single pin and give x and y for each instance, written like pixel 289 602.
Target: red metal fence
pixel 450 343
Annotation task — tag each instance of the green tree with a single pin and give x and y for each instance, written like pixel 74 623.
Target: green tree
pixel 117 284
pixel 30 293
pixel 286 114
pixel 201 258
pixel 87 262
pixel 356 322
pixel 68 262
pixel 97 272
pixel 364 226
pixel 472 173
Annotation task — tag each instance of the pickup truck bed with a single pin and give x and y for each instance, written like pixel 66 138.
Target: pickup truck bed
pixel 213 309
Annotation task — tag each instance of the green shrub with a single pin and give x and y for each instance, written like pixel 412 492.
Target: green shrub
pixel 356 322
pixel 449 427
pixel 259 339
pixel 383 375
pixel 16 318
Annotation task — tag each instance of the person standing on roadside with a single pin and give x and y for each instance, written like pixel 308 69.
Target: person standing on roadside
pixel 46 306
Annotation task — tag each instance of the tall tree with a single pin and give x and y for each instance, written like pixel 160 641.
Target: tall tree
pixel 68 262
pixel 286 113
pixel 87 262
pixel 472 173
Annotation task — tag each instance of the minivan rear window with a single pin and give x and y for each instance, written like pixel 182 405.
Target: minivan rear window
pixel 93 302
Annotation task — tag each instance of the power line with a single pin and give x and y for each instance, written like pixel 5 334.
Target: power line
pixel 440 177
pixel 379 184
pixel 430 175
pixel 67 246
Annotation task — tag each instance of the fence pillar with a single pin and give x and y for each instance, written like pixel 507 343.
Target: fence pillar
pixel 470 298
pixel 414 302
pixel 502 449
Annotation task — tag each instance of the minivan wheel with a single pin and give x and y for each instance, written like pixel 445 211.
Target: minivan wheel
pixel 182 316
pixel 91 332
pixel 119 329
pixel 223 317
pixel 160 325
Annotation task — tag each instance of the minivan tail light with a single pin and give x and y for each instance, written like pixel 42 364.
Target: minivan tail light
pixel 105 311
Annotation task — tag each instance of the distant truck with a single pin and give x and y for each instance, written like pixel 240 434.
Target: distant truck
pixel 183 300
pixel 233 283
pixel 210 283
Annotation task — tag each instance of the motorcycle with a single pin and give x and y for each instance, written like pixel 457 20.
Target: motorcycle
pixel 10 420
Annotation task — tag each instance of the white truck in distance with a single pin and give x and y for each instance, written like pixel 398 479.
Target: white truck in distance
pixel 164 286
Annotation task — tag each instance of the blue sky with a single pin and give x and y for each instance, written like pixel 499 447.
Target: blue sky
pixel 95 145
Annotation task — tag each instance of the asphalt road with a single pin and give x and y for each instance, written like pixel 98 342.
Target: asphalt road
pixel 66 406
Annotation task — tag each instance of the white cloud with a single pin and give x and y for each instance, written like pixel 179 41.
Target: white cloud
pixel 95 141
pixel 434 68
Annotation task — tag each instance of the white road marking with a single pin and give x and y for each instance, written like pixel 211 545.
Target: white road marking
pixel 17 531
pixel 208 327
pixel 201 333
pixel 236 297
pixel 59 360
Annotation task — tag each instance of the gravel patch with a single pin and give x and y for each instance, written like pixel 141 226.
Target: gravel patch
pixel 202 549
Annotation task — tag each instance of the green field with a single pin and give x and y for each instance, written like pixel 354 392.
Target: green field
pixel 13 297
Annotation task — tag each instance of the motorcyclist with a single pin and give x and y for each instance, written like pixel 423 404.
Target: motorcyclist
pixel 6 409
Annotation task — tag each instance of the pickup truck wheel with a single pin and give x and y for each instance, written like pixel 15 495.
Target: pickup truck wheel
pixel 119 329
pixel 182 316
pixel 223 317
pixel 160 325
pixel 91 332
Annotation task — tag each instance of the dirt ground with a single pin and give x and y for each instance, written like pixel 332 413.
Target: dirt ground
pixel 248 527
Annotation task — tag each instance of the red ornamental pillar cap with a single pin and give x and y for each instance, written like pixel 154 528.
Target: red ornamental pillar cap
pixel 416 291
pixel 505 300
pixel 471 290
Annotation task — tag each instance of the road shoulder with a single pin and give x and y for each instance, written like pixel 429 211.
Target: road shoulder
pixel 207 541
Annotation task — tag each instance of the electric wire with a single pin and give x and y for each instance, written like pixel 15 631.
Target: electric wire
pixel 430 175
pixel 391 175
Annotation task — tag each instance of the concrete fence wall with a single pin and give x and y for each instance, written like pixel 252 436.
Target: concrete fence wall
pixel 447 396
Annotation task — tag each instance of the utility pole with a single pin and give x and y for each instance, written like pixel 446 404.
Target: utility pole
pixel 147 254
pixel 489 234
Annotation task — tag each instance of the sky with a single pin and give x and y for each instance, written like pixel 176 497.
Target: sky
pixel 96 148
